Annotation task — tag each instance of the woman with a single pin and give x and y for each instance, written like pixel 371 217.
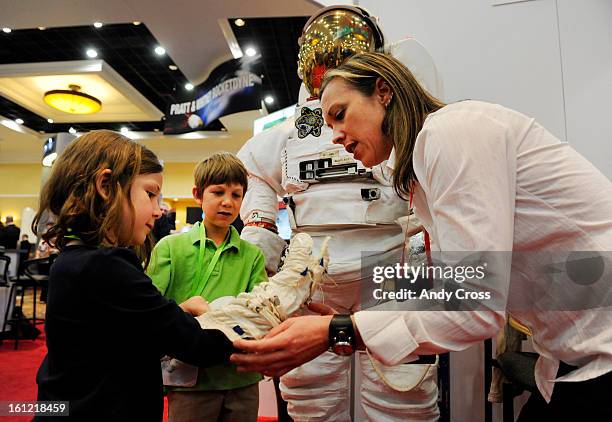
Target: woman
pixel 481 178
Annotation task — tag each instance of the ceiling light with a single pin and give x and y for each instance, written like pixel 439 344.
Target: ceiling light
pixel 42 28
pixel 160 51
pixel 269 99
pixel 136 23
pixel 50 120
pixel 239 22
pixel 19 121
pixel 188 86
pixel 72 130
pixel 98 24
pixel 48 160
pixel 124 130
pixel 6 30
pixel 91 53
pixel 250 51
pixel 72 101
pixel 172 67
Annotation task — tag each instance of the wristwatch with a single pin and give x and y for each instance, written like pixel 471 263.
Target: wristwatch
pixel 342 339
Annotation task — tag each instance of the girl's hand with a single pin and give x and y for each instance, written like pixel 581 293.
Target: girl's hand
pixel 196 306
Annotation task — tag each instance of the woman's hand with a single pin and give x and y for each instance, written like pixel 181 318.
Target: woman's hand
pixel 321 308
pixel 287 346
pixel 196 306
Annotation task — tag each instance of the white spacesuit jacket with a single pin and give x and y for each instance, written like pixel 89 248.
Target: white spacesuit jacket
pixel 329 208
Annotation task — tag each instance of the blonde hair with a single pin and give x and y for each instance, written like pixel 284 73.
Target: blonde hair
pixel 406 112
pixel 71 196
pixel 219 168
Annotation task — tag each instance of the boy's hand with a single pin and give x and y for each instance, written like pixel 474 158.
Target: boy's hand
pixel 196 306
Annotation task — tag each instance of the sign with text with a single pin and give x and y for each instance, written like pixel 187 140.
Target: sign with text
pixel 232 87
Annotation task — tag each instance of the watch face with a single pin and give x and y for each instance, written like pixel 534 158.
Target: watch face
pixel 343 349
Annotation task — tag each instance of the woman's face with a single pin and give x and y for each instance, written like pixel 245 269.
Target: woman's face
pixel 356 121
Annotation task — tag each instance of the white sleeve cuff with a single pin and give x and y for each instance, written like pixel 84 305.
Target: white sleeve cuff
pixel 386 336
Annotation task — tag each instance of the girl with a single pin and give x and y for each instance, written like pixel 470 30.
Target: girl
pixel 107 326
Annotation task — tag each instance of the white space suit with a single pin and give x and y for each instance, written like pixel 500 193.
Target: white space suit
pixel 328 193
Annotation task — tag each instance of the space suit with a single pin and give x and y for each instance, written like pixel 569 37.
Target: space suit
pixel 328 193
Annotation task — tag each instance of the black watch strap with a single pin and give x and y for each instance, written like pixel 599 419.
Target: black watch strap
pixel 341 330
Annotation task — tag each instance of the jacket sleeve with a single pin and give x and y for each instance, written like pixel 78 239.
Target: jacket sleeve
pixel 261 156
pixel 467 171
pixel 131 305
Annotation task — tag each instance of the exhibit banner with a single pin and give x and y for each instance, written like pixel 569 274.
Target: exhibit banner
pixel 232 87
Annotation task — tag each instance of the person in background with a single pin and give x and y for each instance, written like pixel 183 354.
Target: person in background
pixel 25 249
pixel 106 324
pixel 1 234
pixel 45 248
pixel 25 245
pixel 11 233
pixel 484 179
pixel 163 226
pixel 212 261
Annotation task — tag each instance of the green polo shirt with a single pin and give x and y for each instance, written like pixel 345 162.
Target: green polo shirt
pixel 241 266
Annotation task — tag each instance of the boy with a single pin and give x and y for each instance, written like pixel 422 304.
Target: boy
pixel 212 261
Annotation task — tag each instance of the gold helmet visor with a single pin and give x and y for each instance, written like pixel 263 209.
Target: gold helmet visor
pixel 330 38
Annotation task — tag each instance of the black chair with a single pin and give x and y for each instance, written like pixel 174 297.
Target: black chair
pixel 35 276
pixel 5 262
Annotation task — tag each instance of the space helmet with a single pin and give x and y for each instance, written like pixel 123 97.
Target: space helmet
pixel 332 35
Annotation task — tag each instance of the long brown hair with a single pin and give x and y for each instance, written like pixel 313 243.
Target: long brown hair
pixel 71 197
pixel 406 112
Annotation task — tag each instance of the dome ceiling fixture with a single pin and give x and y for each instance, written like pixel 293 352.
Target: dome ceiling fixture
pixel 72 101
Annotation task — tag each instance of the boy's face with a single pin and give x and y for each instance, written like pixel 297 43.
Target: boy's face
pixel 221 203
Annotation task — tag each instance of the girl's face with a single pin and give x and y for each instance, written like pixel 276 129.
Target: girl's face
pixel 144 196
pixel 356 121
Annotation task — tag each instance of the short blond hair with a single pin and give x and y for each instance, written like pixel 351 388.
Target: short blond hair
pixel 219 168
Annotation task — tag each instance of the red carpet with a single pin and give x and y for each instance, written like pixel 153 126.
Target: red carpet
pixel 18 373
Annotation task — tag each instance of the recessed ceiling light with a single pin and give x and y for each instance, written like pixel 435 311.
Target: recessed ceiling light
pixel 250 51
pixel 98 24
pixel 239 22
pixel 6 30
pixel 136 23
pixel 172 67
pixel 91 53
pixel 160 51
pixel 19 121
pixel 50 120
pixel 188 86
pixel 72 130
pixel 124 130
pixel 269 99
pixel 42 28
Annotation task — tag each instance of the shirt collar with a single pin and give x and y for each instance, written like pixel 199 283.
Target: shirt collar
pixel 391 160
pixel 198 229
